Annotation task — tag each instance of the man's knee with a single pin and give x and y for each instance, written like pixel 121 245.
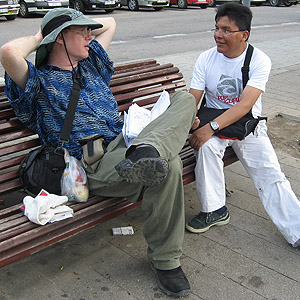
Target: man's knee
pixel 175 166
pixel 184 96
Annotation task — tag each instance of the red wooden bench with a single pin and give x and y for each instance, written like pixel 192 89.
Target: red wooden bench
pixel 140 82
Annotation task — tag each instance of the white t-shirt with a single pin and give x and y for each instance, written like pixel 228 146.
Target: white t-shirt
pixel 221 77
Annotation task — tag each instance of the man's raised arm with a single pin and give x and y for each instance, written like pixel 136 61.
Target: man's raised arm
pixel 105 34
pixel 13 55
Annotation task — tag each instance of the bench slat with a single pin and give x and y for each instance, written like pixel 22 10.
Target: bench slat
pixel 18 134
pixel 13 162
pixel 128 80
pixel 10 186
pixel 121 68
pixel 7 114
pixel 9 218
pixel 145 83
pixel 9 176
pixel 10 125
pixel 19 147
pixel 13 227
pixel 145 102
pixel 145 69
pixel 128 97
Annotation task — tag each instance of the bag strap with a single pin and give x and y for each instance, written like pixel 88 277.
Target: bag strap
pixel 245 68
pixel 67 126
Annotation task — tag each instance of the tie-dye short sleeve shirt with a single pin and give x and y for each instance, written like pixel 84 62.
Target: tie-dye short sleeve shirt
pixel 42 106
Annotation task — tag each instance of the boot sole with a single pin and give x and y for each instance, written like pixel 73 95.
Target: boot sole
pixel 169 293
pixel 148 171
pixel 201 230
pixel 182 293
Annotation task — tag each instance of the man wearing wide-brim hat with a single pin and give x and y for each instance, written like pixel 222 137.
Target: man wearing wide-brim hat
pixel 71 45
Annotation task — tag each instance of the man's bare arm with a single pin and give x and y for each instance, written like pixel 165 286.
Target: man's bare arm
pixel 198 94
pixel 13 55
pixel 105 34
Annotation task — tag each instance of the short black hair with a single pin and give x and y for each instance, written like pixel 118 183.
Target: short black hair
pixel 240 14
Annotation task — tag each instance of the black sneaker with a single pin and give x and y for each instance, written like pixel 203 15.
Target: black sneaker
pixel 204 221
pixel 172 282
pixel 144 165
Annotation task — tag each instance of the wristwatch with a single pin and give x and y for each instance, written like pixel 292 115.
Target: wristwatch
pixel 214 126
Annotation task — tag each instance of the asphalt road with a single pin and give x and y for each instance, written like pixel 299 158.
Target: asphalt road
pixel 150 34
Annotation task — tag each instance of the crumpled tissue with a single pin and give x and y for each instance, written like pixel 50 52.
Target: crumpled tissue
pixel 46 207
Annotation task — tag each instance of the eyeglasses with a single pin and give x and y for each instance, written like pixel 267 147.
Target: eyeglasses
pixel 225 31
pixel 84 31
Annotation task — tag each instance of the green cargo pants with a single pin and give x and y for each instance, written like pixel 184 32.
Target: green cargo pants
pixel 163 205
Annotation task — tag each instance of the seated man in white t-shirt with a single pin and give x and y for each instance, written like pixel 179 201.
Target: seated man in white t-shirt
pixel 218 73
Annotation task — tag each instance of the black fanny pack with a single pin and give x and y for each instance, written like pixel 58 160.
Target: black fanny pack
pixel 236 131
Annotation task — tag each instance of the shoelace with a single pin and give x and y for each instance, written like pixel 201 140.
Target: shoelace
pixel 204 216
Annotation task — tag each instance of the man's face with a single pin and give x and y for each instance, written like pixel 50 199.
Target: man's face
pixel 230 40
pixel 77 40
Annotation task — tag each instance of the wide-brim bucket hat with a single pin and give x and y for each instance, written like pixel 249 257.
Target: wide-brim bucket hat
pixel 53 23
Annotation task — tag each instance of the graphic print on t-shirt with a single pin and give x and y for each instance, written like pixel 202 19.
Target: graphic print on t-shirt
pixel 229 89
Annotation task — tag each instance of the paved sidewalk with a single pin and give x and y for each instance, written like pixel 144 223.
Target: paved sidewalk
pixel 246 259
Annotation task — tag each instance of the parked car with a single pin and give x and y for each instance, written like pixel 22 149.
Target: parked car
pixel 254 2
pixel 136 4
pixel 284 2
pixel 184 3
pixel 9 9
pixel 83 5
pixel 35 6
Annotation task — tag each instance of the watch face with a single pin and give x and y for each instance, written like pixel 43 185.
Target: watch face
pixel 214 125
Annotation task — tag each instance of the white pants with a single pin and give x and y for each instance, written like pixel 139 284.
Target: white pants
pixel 258 157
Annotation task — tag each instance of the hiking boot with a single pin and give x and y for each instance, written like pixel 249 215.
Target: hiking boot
pixel 204 221
pixel 143 165
pixel 172 282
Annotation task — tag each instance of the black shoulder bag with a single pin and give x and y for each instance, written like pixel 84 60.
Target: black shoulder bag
pixel 43 167
pixel 241 128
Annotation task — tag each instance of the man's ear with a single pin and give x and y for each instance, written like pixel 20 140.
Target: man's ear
pixel 59 39
pixel 246 34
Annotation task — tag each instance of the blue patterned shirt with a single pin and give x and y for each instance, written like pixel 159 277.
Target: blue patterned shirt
pixel 42 106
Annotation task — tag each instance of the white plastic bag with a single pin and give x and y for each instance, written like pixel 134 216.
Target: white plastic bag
pixel 74 180
pixel 46 207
